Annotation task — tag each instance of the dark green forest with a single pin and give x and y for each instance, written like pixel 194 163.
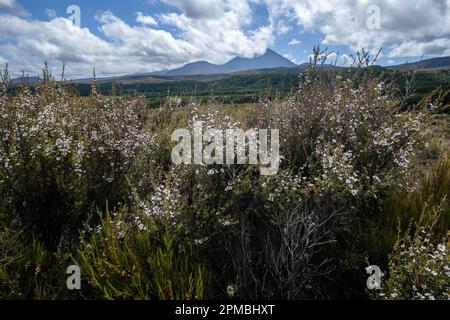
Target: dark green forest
pixel 248 88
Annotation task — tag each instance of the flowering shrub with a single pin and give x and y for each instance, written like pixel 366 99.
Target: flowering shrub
pixel 418 270
pixel 347 136
pixel 61 156
pixel 345 148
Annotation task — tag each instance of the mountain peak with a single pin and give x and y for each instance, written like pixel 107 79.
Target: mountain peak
pixel 270 51
pixel 269 60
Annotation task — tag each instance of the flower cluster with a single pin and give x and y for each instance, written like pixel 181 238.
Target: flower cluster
pixel 418 270
pixel 63 156
pixel 71 131
pixel 346 138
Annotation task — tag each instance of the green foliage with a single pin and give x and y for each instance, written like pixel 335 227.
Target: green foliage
pixel 347 181
pixel 28 270
pixel 252 87
pixel 406 210
pixel 126 263
pixel 418 269
pixel 62 156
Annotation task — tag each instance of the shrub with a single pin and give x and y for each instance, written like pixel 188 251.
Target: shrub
pixel 345 145
pixel 407 209
pixel 418 269
pixel 62 156
pixel 28 270
pixel 349 159
pixel 124 262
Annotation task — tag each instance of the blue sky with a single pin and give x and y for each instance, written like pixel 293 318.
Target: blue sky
pixel 126 10
pixel 120 37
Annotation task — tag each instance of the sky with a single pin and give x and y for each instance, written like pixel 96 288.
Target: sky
pixel 137 36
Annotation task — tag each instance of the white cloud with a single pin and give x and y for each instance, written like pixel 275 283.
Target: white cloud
pixel 8 3
pixel 198 8
pixel 30 43
pixel 344 22
pixel 294 42
pixel 225 36
pixel 341 60
pixel 282 27
pixel 218 30
pixel 124 48
pixel 290 57
pixel 12 7
pixel 51 13
pixel 410 48
pixel 345 60
pixel 146 20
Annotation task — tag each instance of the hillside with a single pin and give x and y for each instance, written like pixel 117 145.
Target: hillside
pixel 269 60
pixel 248 86
pixel 428 64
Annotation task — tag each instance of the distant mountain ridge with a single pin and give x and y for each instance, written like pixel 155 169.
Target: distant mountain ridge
pixel 267 63
pixel 269 60
pixel 27 79
pixel 428 64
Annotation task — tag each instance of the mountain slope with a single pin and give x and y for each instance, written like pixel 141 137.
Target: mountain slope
pixel 200 67
pixel 269 60
pixel 434 63
pixel 30 80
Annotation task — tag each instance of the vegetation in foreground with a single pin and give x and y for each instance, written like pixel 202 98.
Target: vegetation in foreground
pixel 89 181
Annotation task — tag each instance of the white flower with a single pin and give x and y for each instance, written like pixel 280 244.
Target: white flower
pixel 94 136
pixel 198 242
pixel 231 290
pixel 226 222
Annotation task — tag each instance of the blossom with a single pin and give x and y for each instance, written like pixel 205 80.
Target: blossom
pixel 231 290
